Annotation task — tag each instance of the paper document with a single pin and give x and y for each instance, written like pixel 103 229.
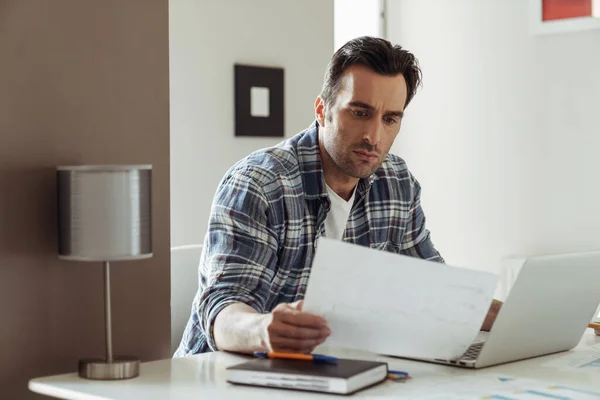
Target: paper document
pixel 582 360
pixel 396 305
pixel 489 387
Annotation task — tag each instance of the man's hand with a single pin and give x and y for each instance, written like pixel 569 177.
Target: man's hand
pixel 491 315
pixel 288 329
pixel 238 327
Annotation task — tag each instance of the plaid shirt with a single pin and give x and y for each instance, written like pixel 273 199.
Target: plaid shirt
pixel 266 220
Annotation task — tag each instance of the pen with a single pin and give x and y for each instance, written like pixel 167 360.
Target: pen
pixel 396 372
pixel 296 356
pixel 399 376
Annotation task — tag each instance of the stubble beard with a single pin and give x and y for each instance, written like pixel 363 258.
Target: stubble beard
pixel 343 159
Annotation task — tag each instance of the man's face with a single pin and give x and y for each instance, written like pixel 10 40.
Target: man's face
pixel 359 128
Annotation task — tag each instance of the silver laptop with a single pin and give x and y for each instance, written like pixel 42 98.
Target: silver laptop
pixel 547 311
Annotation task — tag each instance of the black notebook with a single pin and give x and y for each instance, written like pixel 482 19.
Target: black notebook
pixel 345 377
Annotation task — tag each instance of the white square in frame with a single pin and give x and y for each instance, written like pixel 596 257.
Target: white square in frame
pixel 259 101
pixel 538 26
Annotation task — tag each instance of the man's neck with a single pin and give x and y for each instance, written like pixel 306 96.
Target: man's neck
pixel 336 179
pixel 343 187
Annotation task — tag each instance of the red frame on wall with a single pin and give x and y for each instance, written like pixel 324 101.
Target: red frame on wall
pixel 561 16
pixel 564 9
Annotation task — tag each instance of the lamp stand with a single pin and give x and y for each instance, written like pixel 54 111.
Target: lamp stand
pixel 112 367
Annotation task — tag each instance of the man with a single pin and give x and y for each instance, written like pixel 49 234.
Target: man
pixel 334 179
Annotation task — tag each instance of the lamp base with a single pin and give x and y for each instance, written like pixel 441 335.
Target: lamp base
pixel 122 367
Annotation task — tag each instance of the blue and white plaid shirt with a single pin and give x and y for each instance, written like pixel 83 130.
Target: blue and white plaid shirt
pixel 267 217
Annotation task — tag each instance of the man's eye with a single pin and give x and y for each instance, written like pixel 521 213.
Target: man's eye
pixel 390 120
pixel 360 113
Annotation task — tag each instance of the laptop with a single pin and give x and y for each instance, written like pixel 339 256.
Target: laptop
pixel 547 311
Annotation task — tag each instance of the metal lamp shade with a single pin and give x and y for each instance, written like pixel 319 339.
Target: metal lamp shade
pixel 104 212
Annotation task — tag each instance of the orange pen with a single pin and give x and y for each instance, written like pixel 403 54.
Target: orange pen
pixel 296 356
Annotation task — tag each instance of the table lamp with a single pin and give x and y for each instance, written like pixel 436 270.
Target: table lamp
pixel 104 215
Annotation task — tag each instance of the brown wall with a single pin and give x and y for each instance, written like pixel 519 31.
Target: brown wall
pixel 81 82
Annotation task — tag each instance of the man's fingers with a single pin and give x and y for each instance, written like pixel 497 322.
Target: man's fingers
pixel 294 345
pixel 295 332
pixel 298 305
pixel 299 318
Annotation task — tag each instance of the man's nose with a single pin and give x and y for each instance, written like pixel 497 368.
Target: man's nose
pixel 372 133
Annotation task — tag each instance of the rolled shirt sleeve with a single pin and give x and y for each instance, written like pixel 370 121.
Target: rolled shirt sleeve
pixel 240 255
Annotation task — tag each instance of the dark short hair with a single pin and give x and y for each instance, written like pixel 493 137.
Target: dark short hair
pixel 377 54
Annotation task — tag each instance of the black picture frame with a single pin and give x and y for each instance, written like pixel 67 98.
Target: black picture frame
pixel 247 77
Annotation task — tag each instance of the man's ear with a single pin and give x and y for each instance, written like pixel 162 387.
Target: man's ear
pixel 320 111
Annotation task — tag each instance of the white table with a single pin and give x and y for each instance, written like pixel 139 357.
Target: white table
pixel 203 377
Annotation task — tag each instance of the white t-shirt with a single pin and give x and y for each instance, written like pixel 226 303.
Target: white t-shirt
pixel 337 217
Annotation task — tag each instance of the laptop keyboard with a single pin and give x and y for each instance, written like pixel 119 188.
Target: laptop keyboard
pixel 472 352
pixel 470 356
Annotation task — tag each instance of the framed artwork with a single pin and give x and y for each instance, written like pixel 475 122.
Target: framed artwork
pixel 259 107
pixel 559 16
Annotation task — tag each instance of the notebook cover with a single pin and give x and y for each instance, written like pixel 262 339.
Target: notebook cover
pixel 344 368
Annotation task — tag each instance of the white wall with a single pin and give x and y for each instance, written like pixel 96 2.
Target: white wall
pixel 354 18
pixel 207 37
pixel 504 132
